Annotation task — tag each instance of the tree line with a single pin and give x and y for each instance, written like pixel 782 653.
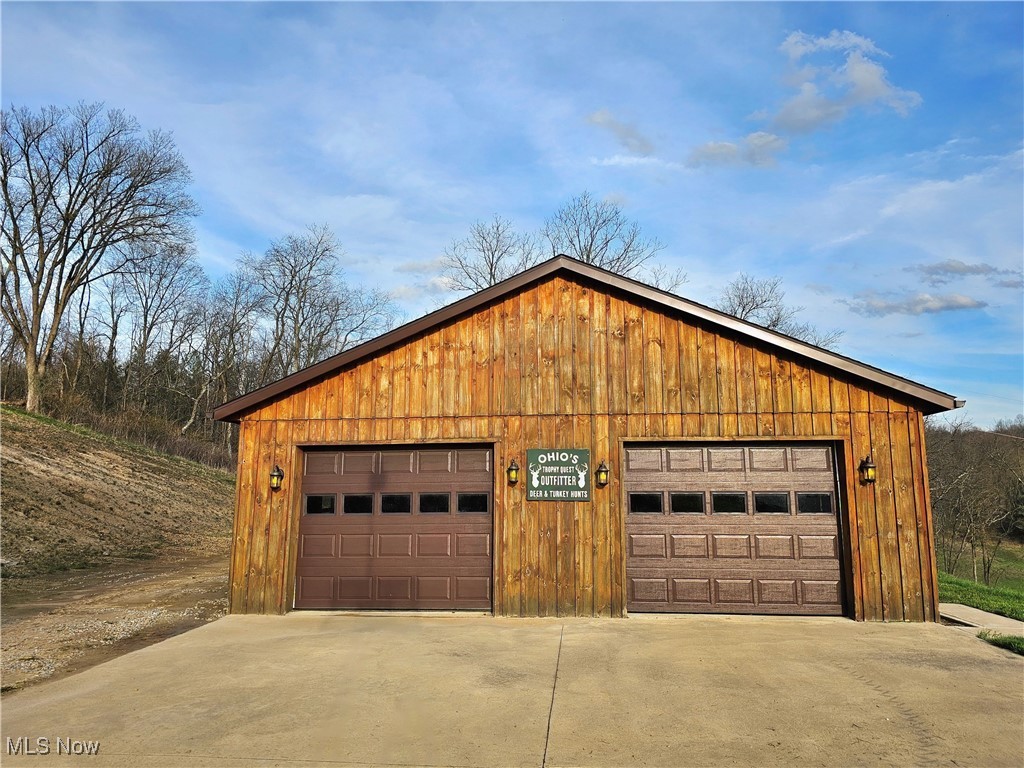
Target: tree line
pixel 110 320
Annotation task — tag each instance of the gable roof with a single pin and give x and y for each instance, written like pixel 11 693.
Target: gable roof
pixel 932 400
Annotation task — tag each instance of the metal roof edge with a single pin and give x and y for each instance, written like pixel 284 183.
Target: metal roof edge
pixel 940 400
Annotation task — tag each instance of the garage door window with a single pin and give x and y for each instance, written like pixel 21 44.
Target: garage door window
pixel 687 503
pixel 358 504
pixel 473 504
pixel 435 503
pixel 771 503
pixel 645 503
pixel 396 504
pixel 320 504
pixel 814 503
pixel 729 503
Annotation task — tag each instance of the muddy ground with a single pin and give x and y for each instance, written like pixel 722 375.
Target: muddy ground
pixel 58 624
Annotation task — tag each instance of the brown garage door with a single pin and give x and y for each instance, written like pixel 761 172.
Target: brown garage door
pixel 396 528
pixel 732 529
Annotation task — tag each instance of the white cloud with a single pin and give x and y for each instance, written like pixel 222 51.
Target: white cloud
pixel 757 149
pixel 632 161
pixel 628 135
pixel 946 271
pixel 800 44
pixel 827 92
pixel 872 304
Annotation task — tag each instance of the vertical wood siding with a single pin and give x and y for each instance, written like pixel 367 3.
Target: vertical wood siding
pixel 565 364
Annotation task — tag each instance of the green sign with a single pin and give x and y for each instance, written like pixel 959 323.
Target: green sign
pixel 557 474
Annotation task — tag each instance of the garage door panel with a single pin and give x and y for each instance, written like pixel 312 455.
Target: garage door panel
pixel 775 547
pixel 473 588
pixel 317 545
pixel 734 591
pixel 648 545
pixel 394 587
pixel 408 549
pixel 691 591
pixel 316 588
pixel 394 545
pixel 731 545
pixel 772 558
pixel 434 588
pixel 434 544
pixel 472 544
pixel 820 592
pixel 356 544
pixel 812 547
pixel 649 590
pixel 355 587
pixel 777 591
pixel 690 545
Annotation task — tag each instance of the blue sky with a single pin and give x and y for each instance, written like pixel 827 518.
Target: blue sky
pixel 870 154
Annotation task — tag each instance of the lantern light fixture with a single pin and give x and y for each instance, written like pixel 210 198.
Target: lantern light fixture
pixel 276 477
pixel 512 473
pixel 868 470
pixel 602 474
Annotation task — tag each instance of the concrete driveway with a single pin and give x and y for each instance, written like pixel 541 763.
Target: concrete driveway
pixel 332 689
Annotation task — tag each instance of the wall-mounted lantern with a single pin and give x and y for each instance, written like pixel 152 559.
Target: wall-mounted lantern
pixel 867 470
pixel 512 473
pixel 602 474
pixel 276 477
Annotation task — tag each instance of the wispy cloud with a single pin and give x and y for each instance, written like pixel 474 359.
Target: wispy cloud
pixel 628 136
pixel 943 272
pixel 632 161
pixel 757 149
pixel 875 305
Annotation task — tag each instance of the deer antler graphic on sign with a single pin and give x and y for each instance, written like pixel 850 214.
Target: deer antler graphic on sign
pixel 582 472
pixel 534 475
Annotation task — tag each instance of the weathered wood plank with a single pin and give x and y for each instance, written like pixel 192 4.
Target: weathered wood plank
pixel 867 532
pixel 565 345
pixel 707 360
pixel 532 530
pixel 242 533
pixel 583 519
pixel 616 356
pixel 514 338
pixel 634 334
pixel 582 395
pixel 546 305
pixel 599 352
pixel 906 517
pixel 925 531
pixel 885 520
pixel 564 530
pixel 603 554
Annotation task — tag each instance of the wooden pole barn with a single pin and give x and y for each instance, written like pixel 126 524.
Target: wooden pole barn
pixel 733 452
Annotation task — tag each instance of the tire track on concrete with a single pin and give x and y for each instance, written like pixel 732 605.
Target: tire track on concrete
pixel 932 748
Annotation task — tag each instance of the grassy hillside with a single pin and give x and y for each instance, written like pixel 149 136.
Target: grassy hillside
pixel 72 498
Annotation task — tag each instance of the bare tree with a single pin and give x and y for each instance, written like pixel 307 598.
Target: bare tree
pixel 762 301
pixel 80 186
pixel 492 252
pixel 162 296
pixel 312 312
pixel 977 491
pixel 597 232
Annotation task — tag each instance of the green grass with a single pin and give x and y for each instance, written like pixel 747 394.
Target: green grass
pixel 1008 568
pixel 1002 600
pixel 1013 643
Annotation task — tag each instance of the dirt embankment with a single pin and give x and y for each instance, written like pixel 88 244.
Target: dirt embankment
pixel 72 498
pixel 154 531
